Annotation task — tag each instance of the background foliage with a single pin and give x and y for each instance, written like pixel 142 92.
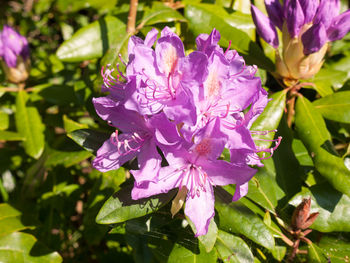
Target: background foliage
pixel 53 200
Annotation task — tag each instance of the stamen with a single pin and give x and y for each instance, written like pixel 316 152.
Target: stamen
pixel 228 48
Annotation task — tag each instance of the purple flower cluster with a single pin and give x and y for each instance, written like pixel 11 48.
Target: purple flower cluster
pixel 307 26
pixel 14 55
pixel 12 45
pixel 188 107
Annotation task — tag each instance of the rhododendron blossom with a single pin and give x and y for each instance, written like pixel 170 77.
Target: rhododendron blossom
pixel 190 108
pixel 307 27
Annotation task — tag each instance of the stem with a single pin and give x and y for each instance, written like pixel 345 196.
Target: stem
pixel 132 17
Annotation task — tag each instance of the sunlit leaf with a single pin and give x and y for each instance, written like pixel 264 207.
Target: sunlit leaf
pixel 312 131
pixel 29 126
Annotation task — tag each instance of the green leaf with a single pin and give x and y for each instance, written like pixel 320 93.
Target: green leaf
pixel 289 173
pixel 279 252
pixel 301 153
pixel 10 220
pixel 336 249
pixel 120 207
pixel 23 247
pixel 270 118
pixel 159 13
pixel 30 126
pixel 204 17
pixel 208 240
pixel 66 159
pixel 4 120
pixel 280 178
pixel 327 78
pixel 335 107
pixel 179 254
pixel 313 133
pixel 264 189
pixel 236 218
pixel 315 254
pixel 90 140
pixel 331 205
pixel 70 125
pixel 10 136
pixel 233 249
pixel 93 40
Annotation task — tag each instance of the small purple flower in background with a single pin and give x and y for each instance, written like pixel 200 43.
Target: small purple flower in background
pixel 190 108
pixel 14 52
pixel 307 27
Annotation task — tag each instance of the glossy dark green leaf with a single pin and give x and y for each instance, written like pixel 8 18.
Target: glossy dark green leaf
pixel 233 249
pixel 10 136
pixel 289 173
pixel 120 207
pixel 301 153
pixel 263 188
pixel 327 79
pixel 208 240
pixel 180 254
pixel 29 126
pixel 159 13
pixel 90 140
pixel 337 249
pixel 93 40
pixel 236 218
pixel 204 17
pixel 335 107
pixel 280 178
pixel 313 133
pixel 332 205
pixel 23 247
pixel 270 118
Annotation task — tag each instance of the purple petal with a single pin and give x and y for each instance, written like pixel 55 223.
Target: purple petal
pixel 240 138
pixel 241 190
pixel 241 99
pixel 223 173
pixel 165 131
pixel 12 39
pixel 200 209
pixel 151 37
pixel 10 57
pixel 314 38
pixel 259 103
pixel 168 51
pixel 25 50
pixel 168 179
pixel 167 32
pixel 339 27
pixel 149 162
pixel 125 120
pixel 181 109
pixel 193 69
pixel 327 10
pixel 264 27
pixel 275 12
pixel 295 17
pixel 309 8
pixel 109 157
pixel 210 141
pixel 208 43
